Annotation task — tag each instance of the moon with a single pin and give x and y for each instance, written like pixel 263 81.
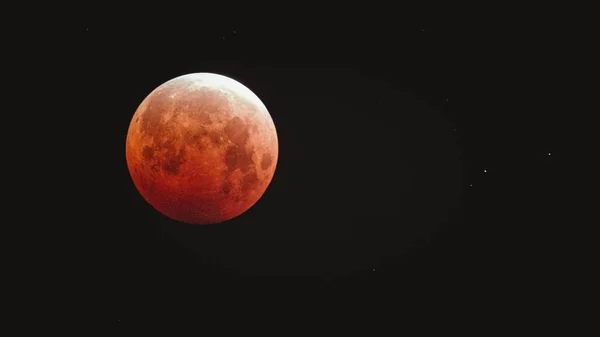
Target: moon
pixel 201 148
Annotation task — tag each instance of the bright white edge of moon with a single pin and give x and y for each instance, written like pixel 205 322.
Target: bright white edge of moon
pixel 215 81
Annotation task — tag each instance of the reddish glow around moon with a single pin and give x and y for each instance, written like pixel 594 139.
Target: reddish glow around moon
pixel 201 148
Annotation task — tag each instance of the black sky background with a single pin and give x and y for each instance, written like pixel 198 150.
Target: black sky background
pixel 380 196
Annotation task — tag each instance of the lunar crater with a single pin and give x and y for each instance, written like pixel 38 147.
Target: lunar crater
pixel 238 157
pixel 249 181
pixel 266 161
pixel 173 160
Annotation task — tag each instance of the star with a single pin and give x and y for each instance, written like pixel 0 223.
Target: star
pixel 373 269
pixel 549 153
pixel 484 170
pixel 470 185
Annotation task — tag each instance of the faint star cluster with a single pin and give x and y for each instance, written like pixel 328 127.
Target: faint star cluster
pixel 233 33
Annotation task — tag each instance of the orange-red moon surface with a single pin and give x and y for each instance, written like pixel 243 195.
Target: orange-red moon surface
pixel 202 148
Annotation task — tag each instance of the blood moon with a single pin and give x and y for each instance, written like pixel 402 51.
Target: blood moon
pixel 201 148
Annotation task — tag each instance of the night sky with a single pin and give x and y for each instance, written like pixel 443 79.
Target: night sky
pixel 413 167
